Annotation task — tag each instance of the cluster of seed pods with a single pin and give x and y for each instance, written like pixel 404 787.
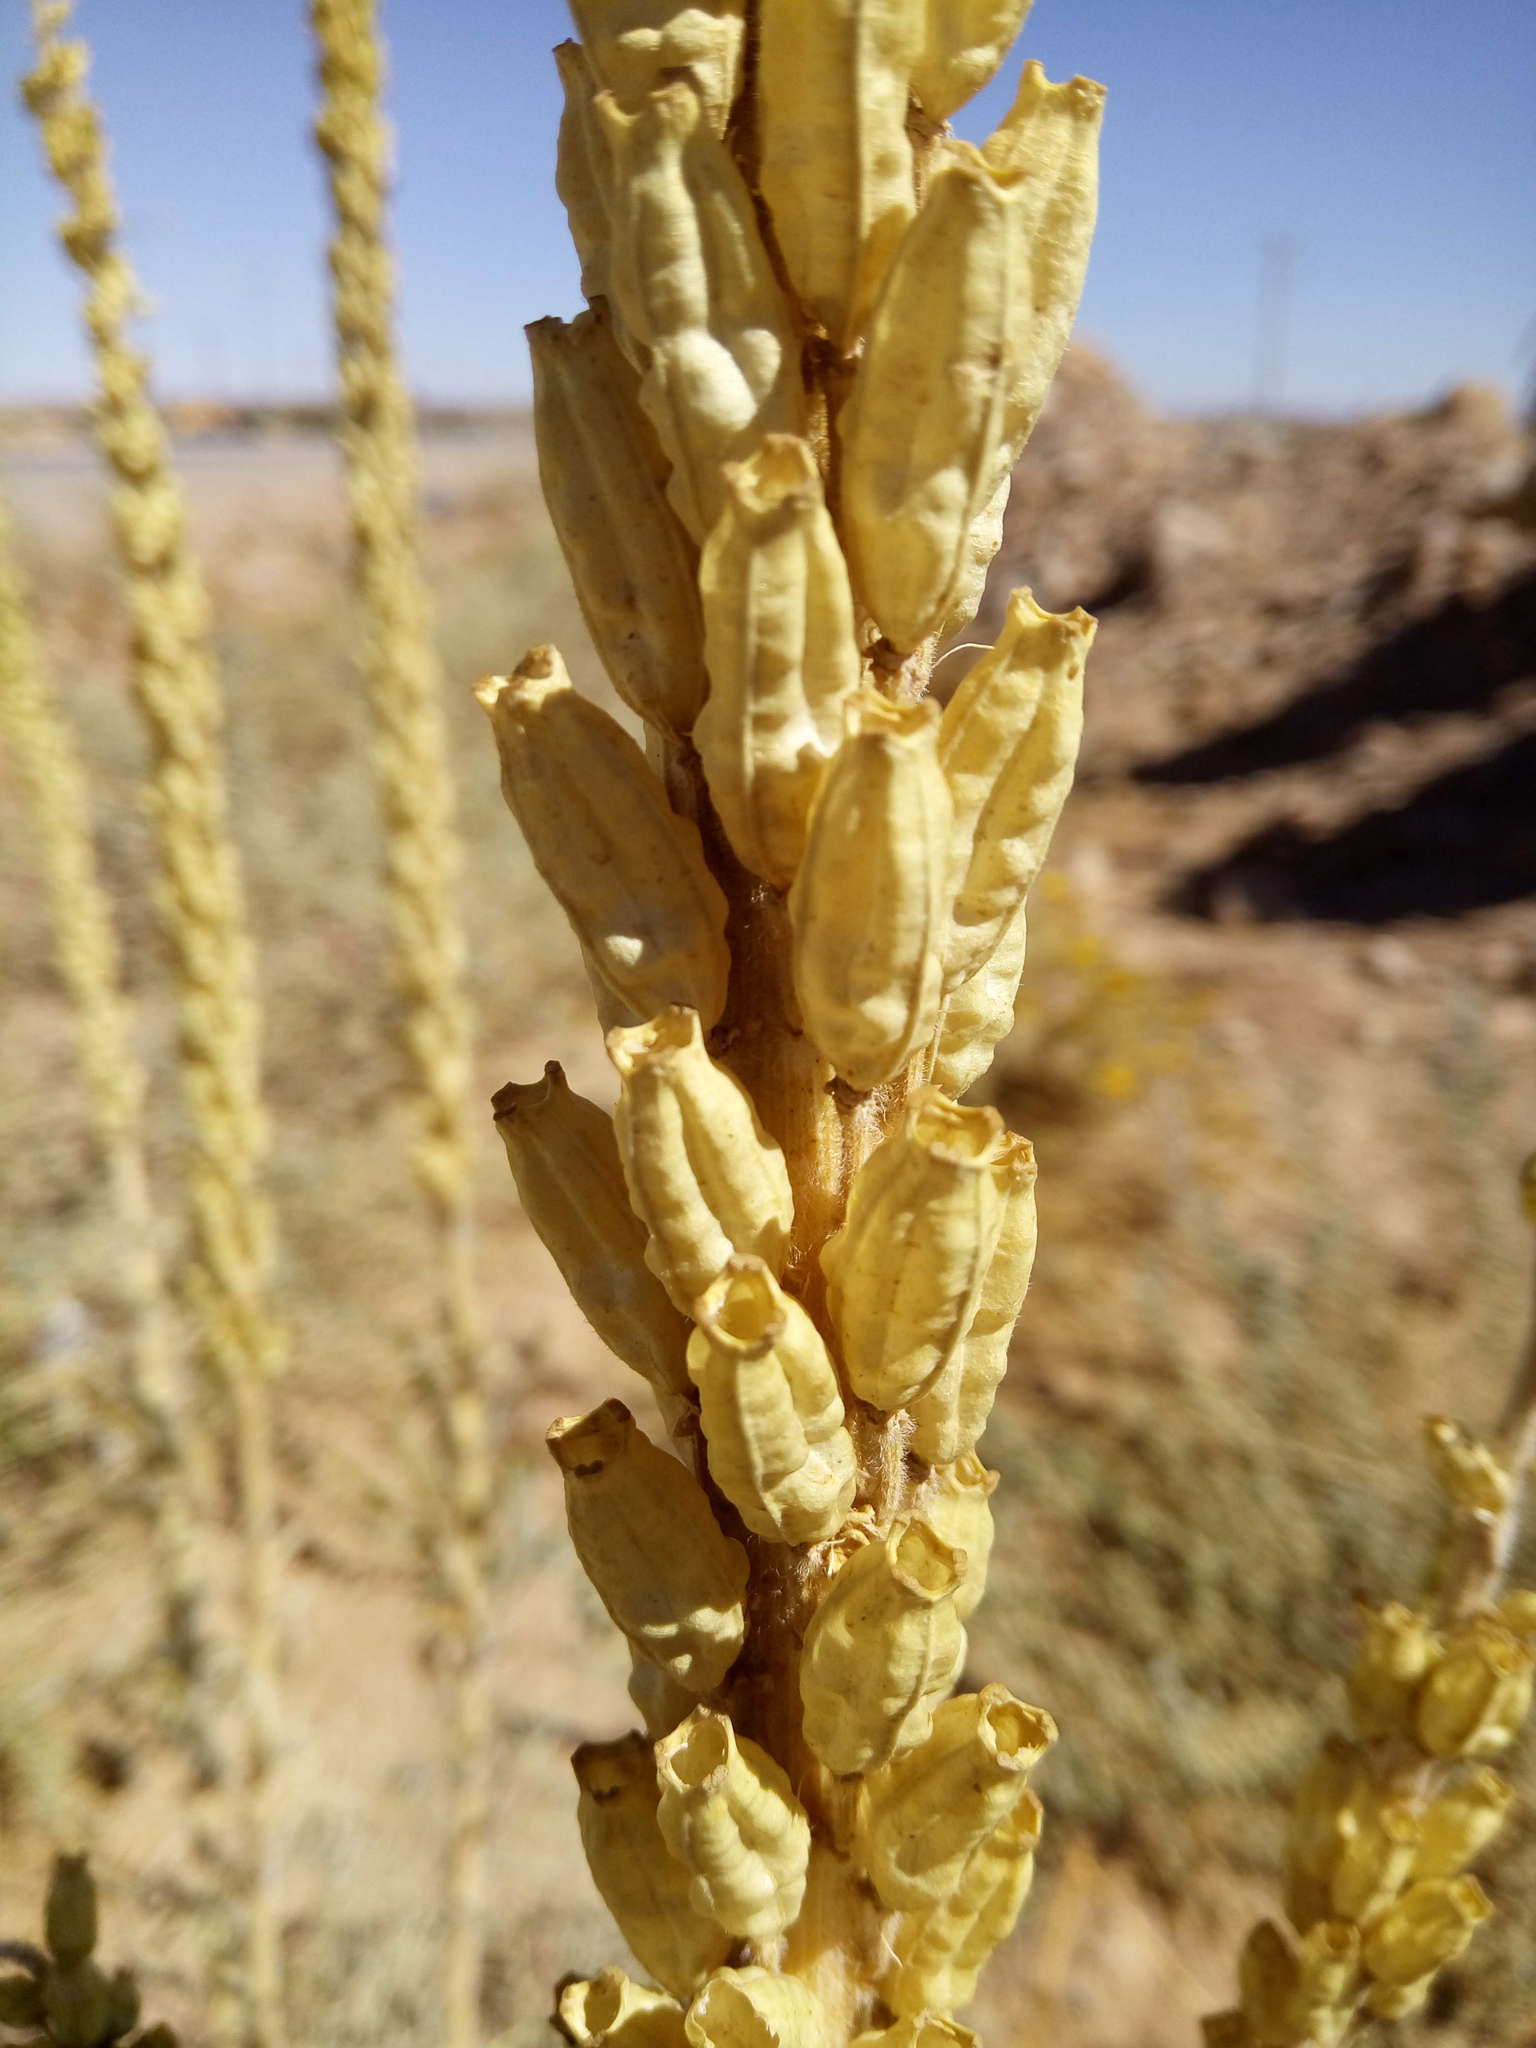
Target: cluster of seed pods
pixel 776 449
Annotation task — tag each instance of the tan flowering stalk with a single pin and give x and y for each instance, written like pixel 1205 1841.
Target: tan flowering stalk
pixel 776 450
pixel 1378 1898
pixel 423 859
pixel 202 905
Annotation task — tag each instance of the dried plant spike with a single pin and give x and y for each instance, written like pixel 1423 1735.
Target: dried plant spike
pixel 648 1540
pixel 612 2011
pixel 985 283
pixel 1430 1926
pixel 627 872
pixel 770 1408
pixel 565 1160
pixel 958 1508
pixel 758 2008
pixel 693 283
pixel 1479 1692
pixel 643 1886
pixel 633 42
pixel 783 659
pixel 905 1273
pixel 1008 747
pixel 942 1950
pixel 869 903
pixel 704 1177
pixel 835 161
pixel 964 42
pixel 882 1650
pixel 924 1817
pixel 1460 1823
pixel 604 477
pixel 729 1817
pixel 583 176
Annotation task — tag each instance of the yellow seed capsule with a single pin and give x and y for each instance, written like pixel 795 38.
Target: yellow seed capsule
pixel 632 42
pixel 958 1508
pixel 963 343
pixel 1378 1843
pixel 978 1015
pixel 924 1816
pixel 1517 1611
pixel 1399 2001
pixel 782 656
pixel 643 1886
pixel 882 1650
pixel 729 1817
pixel 949 1416
pixel 1316 1833
pixel 983 539
pixel 770 1408
pixel 1429 1927
pixel 583 177
pixel 834 159
pixel 905 1273
pixel 1397 1647
pixel 612 2011
pixel 1299 1989
pixel 648 1540
pixel 1475 1698
pixel 1470 1476
pixel 923 2030
pixel 627 872
pixel 1461 1823
pixel 704 1177
pixel 605 483
pixel 69 1915
pixel 1268 1975
pixel 871 898
pixel 693 283
pixel 942 1951
pixel 565 1160
pixel 757 2008
pixel 659 1700
pixel 1008 747
pixel 964 41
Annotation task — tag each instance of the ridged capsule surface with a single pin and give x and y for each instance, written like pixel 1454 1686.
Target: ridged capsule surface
pixel 943 1949
pixel 882 1650
pixel 780 647
pixel 924 1817
pixel 870 901
pixel 648 1540
pixel 963 343
pixel 727 1814
pixel 770 1408
pixel 583 175
pixel 1008 746
pixel 758 2008
pixel 642 1884
pixel 627 872
pixel 978 1015
pixel 632 42
pixel 613 2011
pixel 694 285
pixel 703 1175
pixel 905 1273
pixel 565 1160
pixel 957 1506
pixel 1461 1822
pixel 963 43
pixel 1430 1926
pixel 835 162
pixel 604 478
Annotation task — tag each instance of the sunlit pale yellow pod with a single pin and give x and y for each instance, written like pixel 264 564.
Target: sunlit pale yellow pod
pixel 693 283
pixel 648 1540
pixel 882 1650
pixel 1430 1926
pixel 923 1818
pixel 659 1700
pixel 729 1817
pixel 1315 1835
pixel 1377 1846
pixel 942 1950
pixel 628 873
pixel 780 647
pixel 1397 1647
pixel 834 158
pixel 1478 1694
pixel 770 1408
pixel 632 42
pixel 1008 746
pixel 704 1177
pixel 565 1160
pixel 983 539
pixel 583 177
pixel 612 2011
pixel 962 346
pixel 642 1884
pixel 870 902
pixel 957 1506
pixel 949 1416
pixel 605 483
pixel 758 2008
pixel 964 41
pixel 923 2030
pixel 1461 1822
pixel 906 1271
pixel 978 1015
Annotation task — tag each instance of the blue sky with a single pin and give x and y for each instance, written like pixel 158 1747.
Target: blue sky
pixel 1390 145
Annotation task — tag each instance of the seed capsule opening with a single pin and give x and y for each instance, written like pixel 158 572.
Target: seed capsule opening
pixel 584 1445
pixel 513 1096
pixel 1018 1735
pixel 741 1311
pixel 697 1751
pixel 927 1563
pixel 964 1134
pixel 630 1046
